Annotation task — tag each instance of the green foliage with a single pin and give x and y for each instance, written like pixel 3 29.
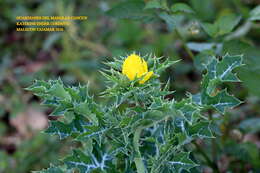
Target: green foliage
pixel 128 10
pixel 244 151
pixel 217 73
pixel 51 169
pixel 181 162
pixel 181 7
pixel 36 152
pixel 138 130
pixel 249 72
pixel 255 13
pixel 175 29
pixel 246 125
pixel 153 4
pixel 223 25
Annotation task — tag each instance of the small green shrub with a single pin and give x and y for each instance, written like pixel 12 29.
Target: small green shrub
pixel 137 128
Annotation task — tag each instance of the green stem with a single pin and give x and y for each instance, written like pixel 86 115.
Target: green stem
pixel 207 159
pixel 184 44
pixel 138 159
pixel 213 143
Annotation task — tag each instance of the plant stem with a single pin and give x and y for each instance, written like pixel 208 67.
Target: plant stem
pixel 138 159
pixel 213 142
pixel 184 44
pixel 209 162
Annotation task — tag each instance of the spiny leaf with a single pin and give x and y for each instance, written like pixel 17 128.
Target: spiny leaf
pixel 62 107
pixel 187 110
pixel 200 130
pixel 65 130
pixel 221 71
pixel 51 169
pixel 86 162
pixel 160 67
pixel 93 131
pixel 221 101
pixel 39 87
pixel 181 161
pixel 58 90
pixel 85 110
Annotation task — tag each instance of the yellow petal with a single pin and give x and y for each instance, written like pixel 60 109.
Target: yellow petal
pixel 146 77
pixel 143 69
pixel 130 66
pixel 135 66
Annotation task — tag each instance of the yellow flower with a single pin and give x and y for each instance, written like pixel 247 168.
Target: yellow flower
pixel 135 66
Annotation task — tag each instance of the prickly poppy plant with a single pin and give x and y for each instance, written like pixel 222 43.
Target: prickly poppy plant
pixel 139 129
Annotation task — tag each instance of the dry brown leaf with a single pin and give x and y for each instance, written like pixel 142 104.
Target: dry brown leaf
pixel 29 121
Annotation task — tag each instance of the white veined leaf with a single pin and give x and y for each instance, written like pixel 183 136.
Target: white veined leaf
pixel 181 161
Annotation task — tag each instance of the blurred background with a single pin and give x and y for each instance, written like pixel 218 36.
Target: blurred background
pixel 115 29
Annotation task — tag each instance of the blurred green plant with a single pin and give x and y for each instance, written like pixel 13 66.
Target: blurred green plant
pixel 30 153
pixel 175 29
